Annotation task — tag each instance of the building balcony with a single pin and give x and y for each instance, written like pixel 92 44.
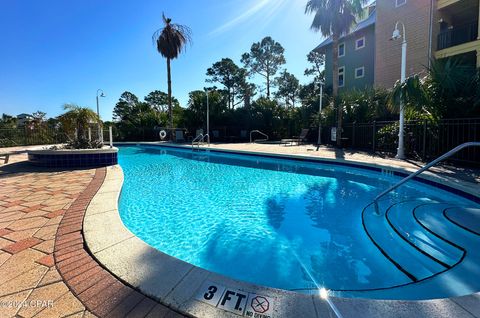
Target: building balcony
pixel 457 35
pixel 445 3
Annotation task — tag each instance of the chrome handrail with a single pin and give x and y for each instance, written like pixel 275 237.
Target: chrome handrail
pixel 428 166
pixel 199 139
pixel 258 132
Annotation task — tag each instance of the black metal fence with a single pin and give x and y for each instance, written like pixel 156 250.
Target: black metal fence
pixel 26 136
pixel 423 139
pixel 132 134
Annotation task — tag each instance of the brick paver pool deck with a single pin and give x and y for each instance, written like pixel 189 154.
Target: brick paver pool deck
pixel 45 270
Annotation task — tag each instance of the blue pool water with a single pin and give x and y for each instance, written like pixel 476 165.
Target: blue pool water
pixel 280 223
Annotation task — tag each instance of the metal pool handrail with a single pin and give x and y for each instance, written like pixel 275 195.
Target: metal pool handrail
pixel 200 138
pixel 428 166
pixel 258 132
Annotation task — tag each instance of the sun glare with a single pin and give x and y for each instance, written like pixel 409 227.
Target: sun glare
pixel 268 8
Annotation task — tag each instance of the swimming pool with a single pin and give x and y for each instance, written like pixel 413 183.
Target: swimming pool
pixel 293 225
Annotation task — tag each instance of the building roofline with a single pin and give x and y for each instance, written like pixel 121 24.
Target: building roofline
pixel 360 26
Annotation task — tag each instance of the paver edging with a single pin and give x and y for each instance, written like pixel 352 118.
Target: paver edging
pixel 98 290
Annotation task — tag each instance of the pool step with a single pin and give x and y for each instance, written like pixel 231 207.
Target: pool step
pixel 466 218
pixel 439 224
pixel 411 261
pixel 400 218
pixel 433 226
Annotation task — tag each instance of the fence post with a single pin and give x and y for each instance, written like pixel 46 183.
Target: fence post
pixel 25 139
pixel 110 136
pixel 353 134
pixel 374 134
pixel 424 153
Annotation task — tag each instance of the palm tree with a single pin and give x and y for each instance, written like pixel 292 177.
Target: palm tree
pixel 170 41
pixel 78 118
pixel 450 88
pixel 411 93
pixel 7 121
pixel 333 18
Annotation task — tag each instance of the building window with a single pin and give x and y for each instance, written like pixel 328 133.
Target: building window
pixel 341 76
pixel 360 43
pixel 360 72
pixel 399 3
pixel 341 49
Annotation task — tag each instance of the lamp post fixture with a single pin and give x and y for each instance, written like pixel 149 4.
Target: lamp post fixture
pixel 100 133
pixel 320 101
pixel 208 117
pixel 396 36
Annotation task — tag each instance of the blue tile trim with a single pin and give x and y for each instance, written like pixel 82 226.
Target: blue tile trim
pixel 74 160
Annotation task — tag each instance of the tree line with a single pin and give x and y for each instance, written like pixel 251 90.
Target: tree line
pixel 233 98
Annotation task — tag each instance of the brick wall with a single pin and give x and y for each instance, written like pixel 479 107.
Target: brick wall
pixel 415 14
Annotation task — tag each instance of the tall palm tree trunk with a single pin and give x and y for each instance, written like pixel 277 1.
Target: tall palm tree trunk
pixel 170 110
pixel 335 88
pixel 268 85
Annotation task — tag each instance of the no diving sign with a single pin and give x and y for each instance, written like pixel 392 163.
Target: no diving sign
pixel 236 301
pixel 259 306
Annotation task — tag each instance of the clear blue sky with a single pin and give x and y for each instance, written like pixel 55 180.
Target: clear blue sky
pixel 55 51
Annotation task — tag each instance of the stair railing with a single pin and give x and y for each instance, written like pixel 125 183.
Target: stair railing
pixel 200 139
pixel 258 132
pixel 419 171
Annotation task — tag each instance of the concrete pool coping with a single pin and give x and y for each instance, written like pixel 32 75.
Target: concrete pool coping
pixel 179 285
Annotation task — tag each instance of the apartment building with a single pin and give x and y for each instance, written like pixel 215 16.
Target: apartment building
pixel 458 30
pixel 417 17
pixel 356 55
pixel 434 29
pixel 23 119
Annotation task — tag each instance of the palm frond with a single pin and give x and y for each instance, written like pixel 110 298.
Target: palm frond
pixel 172 39
pixel 410 93
pixel 334 16
pixel 452 75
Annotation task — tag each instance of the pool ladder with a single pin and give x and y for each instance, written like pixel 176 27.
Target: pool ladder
pixel 419 171
pixel 258 132
pixel 200 139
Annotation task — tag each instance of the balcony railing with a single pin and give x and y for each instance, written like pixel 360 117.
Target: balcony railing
pixel 458 35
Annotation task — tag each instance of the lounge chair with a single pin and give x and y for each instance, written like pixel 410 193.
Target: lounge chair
pixel 300 139
pixel 179 136
pixel 5 157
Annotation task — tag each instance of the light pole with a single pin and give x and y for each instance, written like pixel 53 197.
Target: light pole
pixel 208 117
pixel 395 36
pixel 319 140
pixel 100 134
